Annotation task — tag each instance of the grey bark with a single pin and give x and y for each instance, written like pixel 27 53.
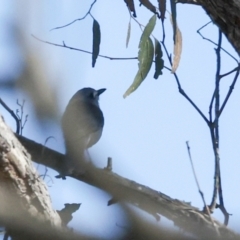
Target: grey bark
pixel 23 194
pixel 225 14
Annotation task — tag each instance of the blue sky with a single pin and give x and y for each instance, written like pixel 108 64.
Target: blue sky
pixel 145 133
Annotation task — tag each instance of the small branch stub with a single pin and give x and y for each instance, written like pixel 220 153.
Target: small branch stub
pixel 109 164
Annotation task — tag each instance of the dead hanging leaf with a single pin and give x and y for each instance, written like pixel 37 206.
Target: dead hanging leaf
pixel 145 57
pixel 162 8
pixel 177 48
pixel 96 41
pixel 159 63
pixel 150 6
pixel 128 33
pixel 130 5
pixel 174 18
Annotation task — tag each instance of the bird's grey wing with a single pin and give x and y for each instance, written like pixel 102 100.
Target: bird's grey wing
pixel 82 124
pixel 96 125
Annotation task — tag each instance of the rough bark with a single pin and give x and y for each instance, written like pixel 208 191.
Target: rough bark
pixel 185 216
pixel 25 208
pixel 22 191
pixel 225 14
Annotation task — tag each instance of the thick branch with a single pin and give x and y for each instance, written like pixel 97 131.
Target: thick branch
pixel 21 188
pixel 154 202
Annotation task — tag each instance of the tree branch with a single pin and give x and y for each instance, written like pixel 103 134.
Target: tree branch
pixel 151 201
pixel 21 188
pixel 79 19
pixel 225 14
pixel 81 50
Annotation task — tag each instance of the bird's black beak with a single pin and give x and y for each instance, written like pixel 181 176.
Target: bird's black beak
pixel 100 91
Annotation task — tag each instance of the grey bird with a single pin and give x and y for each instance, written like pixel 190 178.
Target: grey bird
pixel 82 125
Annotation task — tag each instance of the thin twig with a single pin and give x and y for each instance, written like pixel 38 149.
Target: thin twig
pixel 79 19
pixel 214 129
pixel 139 24
pixel 216 126
pixel 229 92
pixel 210 106
pixel 12 113
pixel 20 117
pixel 178 82
pixel 230 72
pixel 198 186
pixel 209 40
pixel 215 192
pixel 198 31
pixel 81 50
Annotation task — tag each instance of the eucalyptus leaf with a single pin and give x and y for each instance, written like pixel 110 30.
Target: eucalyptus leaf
pixel 96 41
pixel 148 29
pixel 145 57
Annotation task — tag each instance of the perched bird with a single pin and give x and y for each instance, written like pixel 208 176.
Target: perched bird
pixel 82 125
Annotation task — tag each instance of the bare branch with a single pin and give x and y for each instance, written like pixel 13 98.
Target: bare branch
pixel 211 41
pixel 229 91
pixel 230 72
pixel 81 50
pixel 12 114
pixel 154 202
pixel 178 82
pixel 199 189
pixel 79 19
pixel 214 128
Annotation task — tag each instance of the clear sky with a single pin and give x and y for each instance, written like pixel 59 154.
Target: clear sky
pixel 145 133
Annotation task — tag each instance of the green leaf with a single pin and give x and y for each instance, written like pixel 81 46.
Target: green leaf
pixel 96 41
pixel 148 30
pixel 159 63
pixel 128 33
pixel 145 57
pixel 174 18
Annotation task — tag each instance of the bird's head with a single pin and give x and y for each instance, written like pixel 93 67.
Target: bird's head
pixel 88 95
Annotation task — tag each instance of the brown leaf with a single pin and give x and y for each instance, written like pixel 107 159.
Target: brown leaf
pixel 130 5
pixel 162 8
pixel 177 48
pixel 149 6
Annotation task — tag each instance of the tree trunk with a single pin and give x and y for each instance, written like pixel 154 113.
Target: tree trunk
pixel 225 14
